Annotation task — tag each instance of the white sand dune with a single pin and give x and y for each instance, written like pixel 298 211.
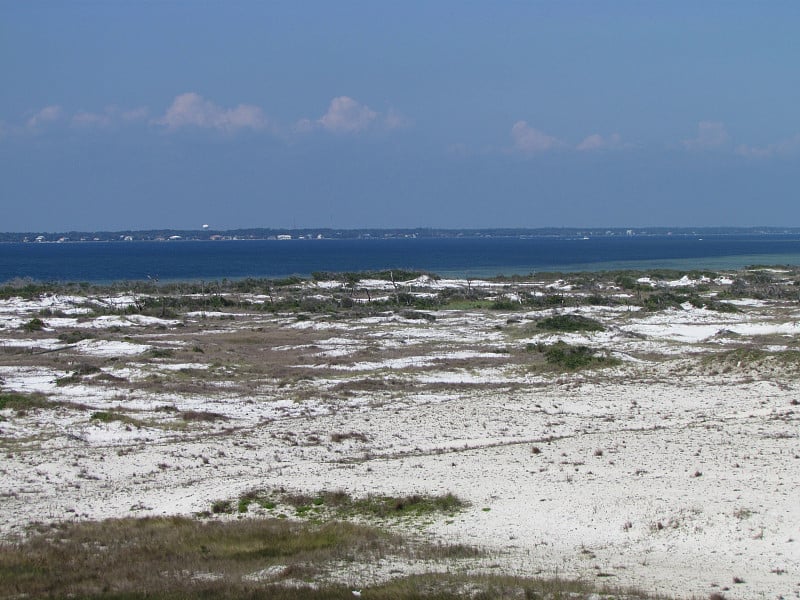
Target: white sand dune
pixel 676 470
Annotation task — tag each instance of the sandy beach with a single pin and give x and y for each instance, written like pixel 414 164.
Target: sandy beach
pixel 673 467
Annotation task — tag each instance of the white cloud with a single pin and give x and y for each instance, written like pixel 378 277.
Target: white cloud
pixel 87 119
pixel 48 114
pixel 348 116
pixel 713 135
pixel 598 142
pixel 528 139
pixel 192 110
pixel 782 148
pixel 135 114
pixel 345 115
pixel 710 135
pixel 110 116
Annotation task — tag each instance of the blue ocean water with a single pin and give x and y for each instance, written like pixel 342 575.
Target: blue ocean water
pixel 101 262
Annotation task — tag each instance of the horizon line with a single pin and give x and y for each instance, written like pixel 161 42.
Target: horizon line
pixel 418 229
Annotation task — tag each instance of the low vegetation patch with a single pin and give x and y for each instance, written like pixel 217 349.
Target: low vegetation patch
pixel 24 402
pixel 178 557
pixel 460 303
pixel 572 358
pixel 753 358
pixel 73 337
pixel 161 353
pixel 339 504
pixel 505 304
pixel 259 497
pixel 25 287
pixel 570 323
pixel 171 558
pixel 35 324
pixel 76 376
pixel 395 506
pixel 202 416
pixel 417 315
pixel 350 435
pixel 104 416
pixel 353 277
pixel 675 299
pixel 546 301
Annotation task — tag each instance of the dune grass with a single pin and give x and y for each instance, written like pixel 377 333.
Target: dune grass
pixel 177 558
pixel 340 505
pixel 22 402
pixel 175 555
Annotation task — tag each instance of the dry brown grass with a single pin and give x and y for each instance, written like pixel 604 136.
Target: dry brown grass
pixel 165 554
pixel 202 416
pixel 179 555
pixel 179 558
pixel 349 435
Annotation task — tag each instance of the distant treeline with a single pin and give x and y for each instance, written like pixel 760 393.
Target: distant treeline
pixel 323 233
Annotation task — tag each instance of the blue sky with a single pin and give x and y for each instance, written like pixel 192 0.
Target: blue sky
pixel 136 115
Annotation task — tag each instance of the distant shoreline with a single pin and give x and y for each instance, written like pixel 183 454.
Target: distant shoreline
pixel 311 234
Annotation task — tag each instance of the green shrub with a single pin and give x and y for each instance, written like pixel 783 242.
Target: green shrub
pixel 417 315
pixel 35 324
pixel 77 374
pixel 202 416
pixel 102 416
pixel 287 281
pixel 67 380
pixel 395 506
pixel 725 307
pixel 23 402
pixel 318 305
pixel 600 300
pixel 73 337
pixel 341 504
pixel 664 300
pixel 222 507
pixel 570 323
pixel 573 358
pixel 505 304
pixel 675 298
pixel 161 353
